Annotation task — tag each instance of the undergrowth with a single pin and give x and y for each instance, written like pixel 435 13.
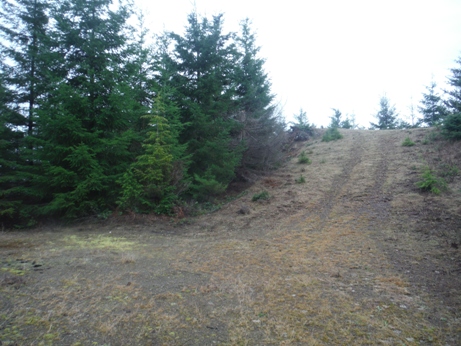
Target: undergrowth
pixel 303 159
pixel 408 142
pixel 263 195
pixel 300 180
pixel 332 134
pixel 430 182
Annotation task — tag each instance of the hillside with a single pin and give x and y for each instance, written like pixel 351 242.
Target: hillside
pixel 356 255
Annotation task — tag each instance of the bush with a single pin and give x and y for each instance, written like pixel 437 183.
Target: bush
pixel 332 134
pixel 451 127
pixel 303 158
pixel 408 142
pixel 430 182
pixel 263 195
pixel 300 180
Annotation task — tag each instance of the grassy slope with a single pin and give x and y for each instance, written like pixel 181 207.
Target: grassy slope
pixel 355 255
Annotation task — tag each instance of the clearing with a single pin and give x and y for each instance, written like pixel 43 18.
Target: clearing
pixel 356 255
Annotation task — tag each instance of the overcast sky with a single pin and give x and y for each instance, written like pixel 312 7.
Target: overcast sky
pixel 342 54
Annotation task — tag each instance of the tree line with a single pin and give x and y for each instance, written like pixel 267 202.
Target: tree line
pixel 435 109
pixel 94 117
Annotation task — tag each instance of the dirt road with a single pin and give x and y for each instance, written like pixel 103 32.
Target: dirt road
pixel 355 255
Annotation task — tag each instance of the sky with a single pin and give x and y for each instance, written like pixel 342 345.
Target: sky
pixel 342 54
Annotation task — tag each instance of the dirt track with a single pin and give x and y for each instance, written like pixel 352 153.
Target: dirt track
pixel 356 255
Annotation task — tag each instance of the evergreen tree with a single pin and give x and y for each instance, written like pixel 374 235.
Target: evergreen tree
pixel 27 60
pixel 140 66
pixel 335 119
pixel 387 115
pixel 260 129
pixel 87 120
pixel 432 107
pixel 302 122
pixel 453 101
pixel 10 161
pixel 349 122
pixel 157 177
pixel 452 123
pixel 253 88
pixel 204 60
pixel 24 31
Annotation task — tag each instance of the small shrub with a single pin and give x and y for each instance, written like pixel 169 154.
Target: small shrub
pixel 300 180
pixel 303 159
pixel 263 195
pixel 430 182
pixel 332 134
pixel 408 142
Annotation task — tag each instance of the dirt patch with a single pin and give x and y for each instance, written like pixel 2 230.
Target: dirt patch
pixel 354 255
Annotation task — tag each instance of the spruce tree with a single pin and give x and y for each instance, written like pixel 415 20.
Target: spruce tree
pixel 387 115
pixel 432 107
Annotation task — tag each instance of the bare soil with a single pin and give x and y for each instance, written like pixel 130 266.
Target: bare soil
pixel 355 255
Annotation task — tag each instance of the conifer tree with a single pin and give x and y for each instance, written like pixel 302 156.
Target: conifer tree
pixel 260 129
pixel 452 123
pixel 87 120
pixel 157 177
pixel 26 62
pixel 335 119
pixel 10 144
pixel 204 60
pixel 453 101
pixel 432 107
pixel 24 31
pixel 387 115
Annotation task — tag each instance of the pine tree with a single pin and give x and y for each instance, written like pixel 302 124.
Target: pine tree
pixel 432 107
pixel 387 115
